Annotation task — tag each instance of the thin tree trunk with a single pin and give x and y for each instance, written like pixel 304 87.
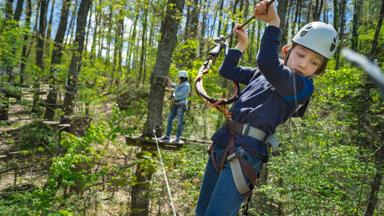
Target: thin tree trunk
pixel 56 60
pixel 220 17
pixel 355 23
pixel 40 52
pixel 95 33
pixel 18 10
pixel 131 44
pixel 295 20
pixel 233 24
pixel 24 53
pixel 375 41
pixel 49 29
pixel 343 5
pixel 109 39
pixel 140 192
pixel 282 11
pixel 69 34
pixel 75 66
pixel 376 183
pixel 143 50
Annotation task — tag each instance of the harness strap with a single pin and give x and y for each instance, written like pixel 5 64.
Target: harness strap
pixel 239 167
pixel 238 177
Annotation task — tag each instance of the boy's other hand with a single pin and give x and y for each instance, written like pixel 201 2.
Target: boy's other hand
pixel 267 14
pixel 242 36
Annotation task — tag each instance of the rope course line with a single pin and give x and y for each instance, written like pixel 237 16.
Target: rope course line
pixel 165 175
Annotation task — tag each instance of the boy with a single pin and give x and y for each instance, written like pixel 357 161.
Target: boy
pixel 274 92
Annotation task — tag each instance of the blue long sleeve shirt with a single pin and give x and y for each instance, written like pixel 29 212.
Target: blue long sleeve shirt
pixel 181 92
pixel 272 94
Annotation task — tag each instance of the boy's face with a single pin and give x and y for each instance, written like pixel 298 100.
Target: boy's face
pixel 303 61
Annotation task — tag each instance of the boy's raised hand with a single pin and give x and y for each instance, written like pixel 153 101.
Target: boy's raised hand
pixel 267 14
pixel 242 36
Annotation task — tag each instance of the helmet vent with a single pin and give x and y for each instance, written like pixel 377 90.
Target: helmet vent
pixel 333 45
pixel 303 33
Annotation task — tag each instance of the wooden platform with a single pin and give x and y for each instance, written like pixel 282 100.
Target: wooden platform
pixel 147 142
pixel 151 143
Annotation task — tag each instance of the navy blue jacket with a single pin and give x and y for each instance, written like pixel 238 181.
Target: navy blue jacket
pixel 272 94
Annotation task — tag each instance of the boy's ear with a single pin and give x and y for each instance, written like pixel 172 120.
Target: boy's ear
pixel 284 50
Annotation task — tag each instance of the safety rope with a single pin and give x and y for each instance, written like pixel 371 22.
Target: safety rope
pixel 165 174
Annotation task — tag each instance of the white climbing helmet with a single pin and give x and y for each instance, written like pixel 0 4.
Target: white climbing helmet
pixel 183 73
pixel 319 37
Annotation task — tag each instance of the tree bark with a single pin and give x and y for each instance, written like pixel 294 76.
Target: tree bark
pixel 343 5
pixel 18 10
pixel 75 66
pixel 24 52
pixel 140 78
pixel 355 23
pixel 377 32
pixel 376 183
pixel 140 192
pixel 39 52
pixel 56 60
pixel 282 11
pixel 95 32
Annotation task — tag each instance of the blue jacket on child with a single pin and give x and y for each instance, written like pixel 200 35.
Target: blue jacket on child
pixel 272 94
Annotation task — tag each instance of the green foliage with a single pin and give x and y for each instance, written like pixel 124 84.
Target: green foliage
pixel 36 136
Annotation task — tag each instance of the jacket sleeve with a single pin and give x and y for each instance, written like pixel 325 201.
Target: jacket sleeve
pixel 230 70
pixel 292 87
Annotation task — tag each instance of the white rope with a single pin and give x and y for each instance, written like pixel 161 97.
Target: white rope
pixel 165 175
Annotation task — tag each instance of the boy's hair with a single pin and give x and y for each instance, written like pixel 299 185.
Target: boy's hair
pixel 321 68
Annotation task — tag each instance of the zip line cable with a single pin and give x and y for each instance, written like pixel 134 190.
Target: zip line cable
pixel 165 174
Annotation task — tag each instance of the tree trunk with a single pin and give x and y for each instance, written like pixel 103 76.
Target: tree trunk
pixel 24 53
pixel 140 197
pixel 204 26
pixel 143 47
pixel 282 11
pixel 75 66
pixel 233 25
pixel 220 17
pixel 376 183
pixel 95 32
pixel 343 5
pixel 375 41
pixel 4 100
pixel 39 53
pixel 296 19
pixel 131 44
pixel 49 29
pixel 309 12
pixel 69 34
pixel 56 60
pixel 109 38
pixel 317 10
pixel 18 10
pixel 355 24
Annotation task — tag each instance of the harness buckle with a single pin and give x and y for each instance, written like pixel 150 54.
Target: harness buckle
pixel 245 130
pixel 232 156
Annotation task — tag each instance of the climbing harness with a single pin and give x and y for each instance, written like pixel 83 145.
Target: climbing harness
pixel 165 175
pixel 239 166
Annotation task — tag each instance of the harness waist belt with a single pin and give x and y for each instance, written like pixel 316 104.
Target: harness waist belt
pixel 246 130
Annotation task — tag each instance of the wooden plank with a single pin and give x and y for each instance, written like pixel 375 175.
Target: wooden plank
pixel 151 143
